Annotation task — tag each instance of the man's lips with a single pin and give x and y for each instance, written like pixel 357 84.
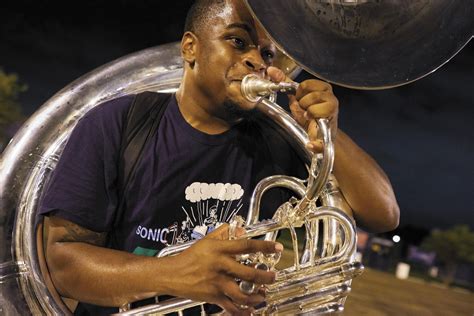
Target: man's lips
pixel 240 78
pixel 235 82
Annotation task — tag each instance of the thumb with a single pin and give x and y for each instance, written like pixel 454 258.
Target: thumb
pixel 222 232
pixel 277 75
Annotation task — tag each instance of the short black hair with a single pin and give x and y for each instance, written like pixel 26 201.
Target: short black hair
pixel 200 13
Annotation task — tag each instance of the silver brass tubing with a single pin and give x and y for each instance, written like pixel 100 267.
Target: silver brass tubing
pixel 27 162
pixel 175 249
pixel 315 277
pixel 321 272
pixel 325 309
pixel 250 287
pixel 323 212
pixel 348 244
pixel 168 306
pixel 317 292
pixel 311 241
pixel 294 239
pixel 304 303
pixel 344 252
pixel 281 181
pixel 330 237
pixel 324 295
pixel 332 196
pixel 254 87
pixel 285 121
pixel 305 289
pixel 320 170
pixel 261 228
pixel 288 182
pixel 327 163
pixel 315 273
pixel 312 298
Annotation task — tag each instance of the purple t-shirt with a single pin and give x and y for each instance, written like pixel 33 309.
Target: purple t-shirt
pixel 186 183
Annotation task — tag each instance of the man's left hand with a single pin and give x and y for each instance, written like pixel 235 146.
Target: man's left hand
pixel 314 99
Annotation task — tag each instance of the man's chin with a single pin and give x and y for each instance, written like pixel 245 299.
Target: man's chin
pixel 236 111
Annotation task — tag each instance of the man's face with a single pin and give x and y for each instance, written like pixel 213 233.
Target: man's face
pixel 232 46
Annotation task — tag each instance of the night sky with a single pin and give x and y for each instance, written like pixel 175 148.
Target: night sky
pixel 421 134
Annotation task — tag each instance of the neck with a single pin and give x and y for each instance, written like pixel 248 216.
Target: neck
pixel 199 111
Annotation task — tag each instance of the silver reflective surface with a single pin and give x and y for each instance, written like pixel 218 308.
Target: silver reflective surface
pixel 357 43
pixel 27 162
pixel 368 44
pixel 324 268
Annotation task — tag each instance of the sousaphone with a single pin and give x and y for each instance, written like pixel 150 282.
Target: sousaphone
pixel 364 44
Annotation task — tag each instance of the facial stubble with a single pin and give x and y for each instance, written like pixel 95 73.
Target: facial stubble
pixel 236 113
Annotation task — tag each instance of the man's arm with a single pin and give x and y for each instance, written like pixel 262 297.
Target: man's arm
pixel 362 182
pixel 83 270
pixel 365 186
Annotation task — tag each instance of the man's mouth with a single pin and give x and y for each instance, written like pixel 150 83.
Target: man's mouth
pixel 237 82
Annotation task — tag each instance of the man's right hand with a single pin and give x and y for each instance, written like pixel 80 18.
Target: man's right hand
pixel 82 269
pixel 208 269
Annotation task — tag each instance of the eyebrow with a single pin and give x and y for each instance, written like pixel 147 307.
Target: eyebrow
pixel 243 26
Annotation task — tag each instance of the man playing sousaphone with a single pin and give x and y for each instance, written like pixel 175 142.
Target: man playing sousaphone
pixel 196 173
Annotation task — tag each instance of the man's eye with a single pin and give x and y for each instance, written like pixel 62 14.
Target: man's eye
pixel 268 55
pixel 238 42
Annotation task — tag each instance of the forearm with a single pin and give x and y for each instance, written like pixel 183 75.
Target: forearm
pixel 83 270
pixel 365 186
pixel 106 277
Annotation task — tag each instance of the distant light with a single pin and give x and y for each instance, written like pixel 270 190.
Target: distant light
pixel 396 238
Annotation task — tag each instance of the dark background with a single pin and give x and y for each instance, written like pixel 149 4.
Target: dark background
pixel 421 134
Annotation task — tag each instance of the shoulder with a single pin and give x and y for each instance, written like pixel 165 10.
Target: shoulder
pixel 105 120
pixel 110 110
pixel 100 129
pixel 117 110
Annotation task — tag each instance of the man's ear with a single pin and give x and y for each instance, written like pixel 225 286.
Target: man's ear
pixel 189 44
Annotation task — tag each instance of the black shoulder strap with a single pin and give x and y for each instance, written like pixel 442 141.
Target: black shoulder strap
pixel 143 118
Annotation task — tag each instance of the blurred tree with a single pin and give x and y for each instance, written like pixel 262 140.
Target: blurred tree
pixel 452 246
pixel 10 110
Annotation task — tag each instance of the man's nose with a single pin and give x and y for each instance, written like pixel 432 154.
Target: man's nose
pixel 255 63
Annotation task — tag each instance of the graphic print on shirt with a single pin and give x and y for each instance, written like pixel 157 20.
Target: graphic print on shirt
pixel 206 207
pixel 210 205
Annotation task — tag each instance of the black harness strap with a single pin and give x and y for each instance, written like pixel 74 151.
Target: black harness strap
pixel 143 118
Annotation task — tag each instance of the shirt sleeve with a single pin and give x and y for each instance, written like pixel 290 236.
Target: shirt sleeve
pixel 83 187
